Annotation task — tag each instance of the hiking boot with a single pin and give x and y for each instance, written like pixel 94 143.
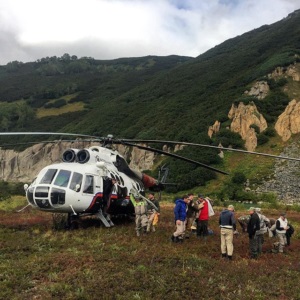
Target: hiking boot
pixel 175 239
pixel 229 257
pixel 224 255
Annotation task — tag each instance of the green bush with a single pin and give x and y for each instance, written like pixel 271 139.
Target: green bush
pixel 262 139
pixel 270 131
pixel 238 178
pixel 256 128
pixel 8 189
pixel 228 138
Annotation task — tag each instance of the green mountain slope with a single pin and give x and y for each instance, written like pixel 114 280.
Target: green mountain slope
pixel 151 97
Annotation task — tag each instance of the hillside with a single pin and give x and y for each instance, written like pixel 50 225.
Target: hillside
pixel 172 98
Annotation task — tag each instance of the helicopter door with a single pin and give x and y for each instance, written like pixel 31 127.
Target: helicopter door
pixel 88 187
pixel 91 193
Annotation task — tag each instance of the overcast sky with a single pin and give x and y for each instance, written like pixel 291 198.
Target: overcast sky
pixel 108 29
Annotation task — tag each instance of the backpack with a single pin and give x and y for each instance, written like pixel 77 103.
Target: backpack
pixel 262 225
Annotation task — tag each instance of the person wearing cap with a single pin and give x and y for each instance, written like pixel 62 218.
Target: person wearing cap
pixel 264 222
pixel 140 209
pixel 180 218
pixel 202 225
pixel 252 227
pixel 281 228
pixel 152 212
pixel 243 221
pixel 228 228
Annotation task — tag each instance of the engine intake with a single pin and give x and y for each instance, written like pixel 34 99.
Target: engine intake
pixel 83 156
pixel 69 155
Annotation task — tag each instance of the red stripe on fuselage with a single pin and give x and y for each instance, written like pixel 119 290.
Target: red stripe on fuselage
pixel 97 196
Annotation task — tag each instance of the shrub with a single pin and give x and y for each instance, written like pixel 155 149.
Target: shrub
pixel 262 139
pixel 270 131
pixel 228 138
pixel 256 128
pixel 238 178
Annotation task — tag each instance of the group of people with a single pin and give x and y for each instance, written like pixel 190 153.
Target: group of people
pixel 192 215
pixel 259 224
pixel 256 225
pixel 147 212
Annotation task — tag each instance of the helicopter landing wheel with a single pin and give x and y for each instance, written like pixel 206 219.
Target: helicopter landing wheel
pixel 72 222
pixel 60 221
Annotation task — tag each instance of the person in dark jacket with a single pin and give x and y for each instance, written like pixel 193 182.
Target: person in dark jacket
pixel 252 227
pixel 289 234
pixel 192 210
pixel 180 218
pixel 228 228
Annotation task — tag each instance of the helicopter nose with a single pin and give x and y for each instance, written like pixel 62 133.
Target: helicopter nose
pixel 46 198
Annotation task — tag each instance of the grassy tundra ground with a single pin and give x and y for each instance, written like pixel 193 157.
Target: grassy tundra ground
pixel 93 262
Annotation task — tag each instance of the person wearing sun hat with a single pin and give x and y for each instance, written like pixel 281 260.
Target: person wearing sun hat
pixel 281 228
pixel 252 227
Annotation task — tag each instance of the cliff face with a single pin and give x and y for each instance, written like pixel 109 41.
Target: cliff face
pixel 243 116
pixel 288 122
pixel 24 166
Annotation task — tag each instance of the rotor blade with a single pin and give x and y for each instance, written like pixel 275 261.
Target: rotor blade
pixel 46 142
pixel 173 155
pixel 47 133
pixel 214 147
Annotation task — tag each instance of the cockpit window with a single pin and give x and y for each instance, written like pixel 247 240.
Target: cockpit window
pixel 76 179
pixel 62 178
pixel 48 177
pixel 89 184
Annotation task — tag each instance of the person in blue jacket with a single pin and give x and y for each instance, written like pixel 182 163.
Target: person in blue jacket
pixel 180 218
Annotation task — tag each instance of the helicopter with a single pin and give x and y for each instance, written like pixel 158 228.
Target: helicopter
pixel 97 180
pixel 93 181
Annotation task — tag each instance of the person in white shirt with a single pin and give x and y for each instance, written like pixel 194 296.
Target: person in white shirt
pixel 281 228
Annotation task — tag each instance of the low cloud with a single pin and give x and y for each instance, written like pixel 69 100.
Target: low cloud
pixel 104 29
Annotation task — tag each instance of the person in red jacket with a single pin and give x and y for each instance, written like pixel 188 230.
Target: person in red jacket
pixel 202 225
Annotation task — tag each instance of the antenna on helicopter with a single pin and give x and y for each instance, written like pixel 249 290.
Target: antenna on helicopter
pixel 107 142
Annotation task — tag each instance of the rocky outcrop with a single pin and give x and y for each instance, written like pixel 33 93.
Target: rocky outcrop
pixel 214 128
pixel 291 71
pixel 24 166
pixel 294 72
pixel 141 159
pixel 288 122
pixel 260 90
pixel 243 116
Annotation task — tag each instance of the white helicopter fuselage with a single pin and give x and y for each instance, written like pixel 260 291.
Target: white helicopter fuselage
pixel 77 185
